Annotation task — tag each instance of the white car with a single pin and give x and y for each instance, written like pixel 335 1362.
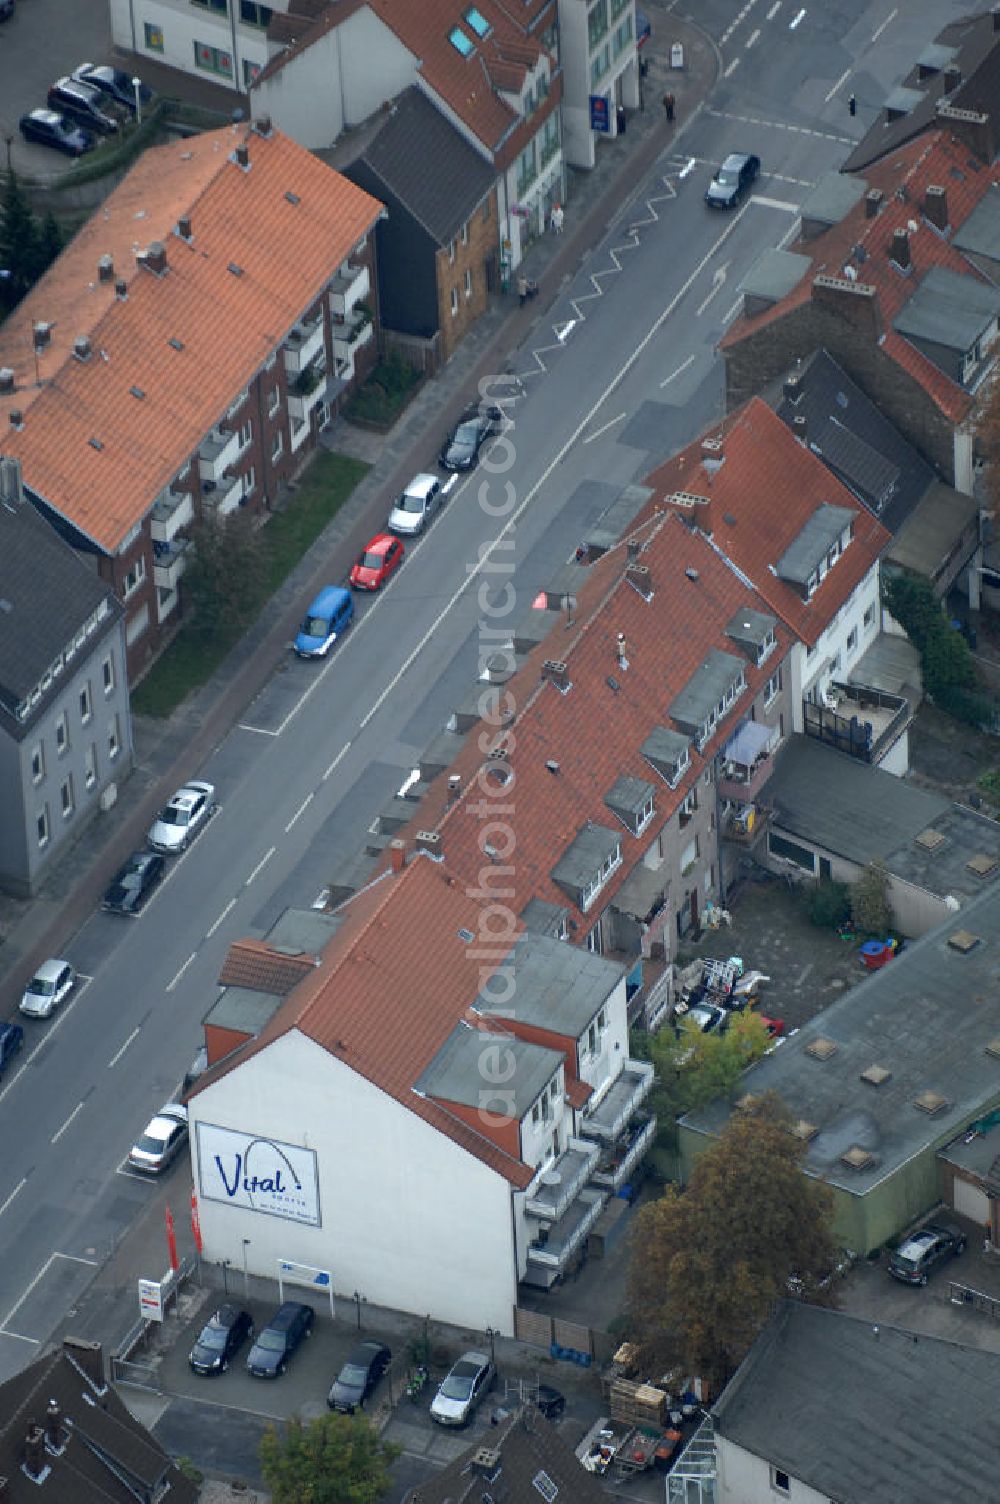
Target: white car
pixel 180 820
pixel 461 1391
pixel 415 505
pixel 51 983
pixel 163 1139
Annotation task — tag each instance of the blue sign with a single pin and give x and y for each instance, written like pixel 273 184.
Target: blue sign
pixel 600 114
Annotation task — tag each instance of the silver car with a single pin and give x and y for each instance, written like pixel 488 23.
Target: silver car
pixel 51 983
pixel 181 819
pixel 415 505
pixel 462 1390
pixel 163 1139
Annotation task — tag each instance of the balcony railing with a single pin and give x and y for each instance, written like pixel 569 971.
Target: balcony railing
pixel 609 1119
pixel 307 393
pixel 858 720
pixel 347 289
pixel 553 1248
pixel 223 497
pixel 616 1164
pixel 745 824
pixel 303 345
pixel 217 453
pixel 171 511
pixel 556 1187
pixel 169 561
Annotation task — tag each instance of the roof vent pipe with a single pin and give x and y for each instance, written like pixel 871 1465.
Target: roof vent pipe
pixel 106 269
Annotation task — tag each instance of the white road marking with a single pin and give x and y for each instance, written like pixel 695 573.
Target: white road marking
pixel 775 203
pixel 687 169
pixel 257 730
pixel 19 1187
pixel 563 332
pixel 229 907
pixel 774 10
pixel 736 22
pixel 796 20
pixel 116 1057
pixel 752 38
pixel 74 1114
pixel 610 424
pixel 43 1271
pixel 841 80
pixel 260 865
pixel 19 1337
pixel 177 976
pixel 718 279
pixel 780 125
pixel 890 17
pixel 300 811
pixel 727 72
pixel 337 760
pixel 673 374
pixel 730 314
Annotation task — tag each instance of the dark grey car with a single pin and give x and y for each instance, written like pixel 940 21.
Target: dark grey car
pixel 734 178
pixel 358 1377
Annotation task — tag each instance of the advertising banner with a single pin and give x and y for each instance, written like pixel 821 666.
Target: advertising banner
pixel 258 1174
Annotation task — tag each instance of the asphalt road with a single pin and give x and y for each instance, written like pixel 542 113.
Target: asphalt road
pixel 613 383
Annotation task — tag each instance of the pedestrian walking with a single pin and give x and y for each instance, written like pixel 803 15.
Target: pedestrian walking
pixel 556 219
pixel 522 290
pixel 668 105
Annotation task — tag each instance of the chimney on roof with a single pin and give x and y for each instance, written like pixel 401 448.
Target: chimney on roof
pixel 262 125
pixel 121 289
pixel 89 1357
pixel 899 252
pixel 454 786
pixel 952 78
pixel 184 229
pixel 873 203
pixel 692 574
pixel 6 381
pixel 429 841
pixel 485 1462
pixel 622 651
pixel 241 156
pixel 106 269
pixel 634 549
pixel 800 427
pixel 11 488
pixel 16 418
pixel 556 672
pixel 974 129
pixel 34 1450
pixel 81 347
pixel 857 302
pixel 41 336
pixel 155 257
pixel 713 455
pixel 397 850
pixel 53 1425
pixel 936 207
pixel 639 576
pixel 792 388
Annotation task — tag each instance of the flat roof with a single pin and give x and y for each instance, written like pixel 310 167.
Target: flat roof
pixel 302 932
pixel 928 537
pixel 948 309
pixel 456 1072
pixel 832 198
pixel 774 274
pixel 558 986
pixel 243 1010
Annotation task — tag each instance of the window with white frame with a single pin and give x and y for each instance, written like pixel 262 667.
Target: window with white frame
pixel 62 733
pixel 597 882
pixel 114 739
pixel 90 766
pixel 451 252
pixel 42 830
pixel 246 433
pixel 108 674
pixel 780 1482
pixel 134 577
pixel 249 482
pixel 86 703
pixel 277 446
pixel 468 282
pixel 868 619
pixel 273 401
pixel 688 806
pixel 66 796
pixel 37 762
pixel 454 301
pixel 772 687
pixel 464 235
pixel 852 639
pixel 643 816
pixel 689 856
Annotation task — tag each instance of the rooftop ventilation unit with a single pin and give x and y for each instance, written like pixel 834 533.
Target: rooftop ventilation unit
pixel 930 840
pixel 982 864
pixel 857 1158
pixel 876 1075
pixel 931 1102
pixel 804 1131
pixel 821 1049
pixel 963 941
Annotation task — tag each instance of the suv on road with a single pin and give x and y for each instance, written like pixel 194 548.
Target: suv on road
pixel 734 178
pixel 918 1254
pixel 84 103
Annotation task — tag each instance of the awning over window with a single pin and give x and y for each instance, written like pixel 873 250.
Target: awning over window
pixel 748 743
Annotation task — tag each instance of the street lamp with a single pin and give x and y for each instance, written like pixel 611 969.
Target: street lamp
pixel 358 1298
pixel 137 86
pixel 246 1277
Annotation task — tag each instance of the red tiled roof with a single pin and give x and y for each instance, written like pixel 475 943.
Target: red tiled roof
pixel 253 964
pixel 938 160
pixel 102 437
pixel 760 499
pixel 578 1093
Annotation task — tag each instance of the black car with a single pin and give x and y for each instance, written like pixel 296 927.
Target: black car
pixel 84 103
pixel 914 1259
pixel 276 1342
pixel 461 449
pixel 221 1339
pixel 131 887
pixel 115 83
pixel 358 1377
pixel 6 9
pixel 49 128
pixel 11 1040
pixel 550 1401
pixel 737 173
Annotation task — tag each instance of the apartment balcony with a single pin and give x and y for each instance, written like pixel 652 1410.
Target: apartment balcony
pixel 172 510
pixel 350 337
pixel 218 451
pixel 609 1119
pixel 744 824
pixel 556 1187
pixel 307 392
pixel 347 289
pixel 303 345
pixel 550 1252
pixel 856 719
pixel 747 761
pixel 223 498
pixel 617 1163
pixel 170 561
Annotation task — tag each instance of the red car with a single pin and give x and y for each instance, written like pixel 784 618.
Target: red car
pixel 378 563
pixel 774 1026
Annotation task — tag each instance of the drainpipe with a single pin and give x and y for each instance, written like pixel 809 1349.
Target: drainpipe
pixel 718 830
pixel 236 61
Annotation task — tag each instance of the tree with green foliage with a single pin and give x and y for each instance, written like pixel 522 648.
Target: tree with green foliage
pixel 335 1459
pixel 870 907
pixel 693 1068
pixel 708 1263
pixel 19 248
pixel 946 660
pixel 51 242
pixel 225 578
pixel 829 904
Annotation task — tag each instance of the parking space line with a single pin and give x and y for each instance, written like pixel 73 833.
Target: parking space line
pixel 19 1337
pixel 43 1271
pixel 119 1053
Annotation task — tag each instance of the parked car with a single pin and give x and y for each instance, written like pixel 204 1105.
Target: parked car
pixel 51 983
pixel 197 1068
pixel 86 104
pixel 114 83
pixel 923 1251
pixel 328 618
pixel 416 504
pixel 161 1141
pixel 181 819
pixel 708 1017
pixel 276 1342
pixel 358 1377
pixel 377 563
pixel 551 1402
pixel 220 1339
pixel 49 128
pixel 460 1393
pixel 132 885
pixel 734 178
pixel 462 446
pixel 11 1040
pixel 6 9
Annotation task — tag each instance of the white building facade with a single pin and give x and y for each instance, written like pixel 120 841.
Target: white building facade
pixel 598 52
pixel 223 41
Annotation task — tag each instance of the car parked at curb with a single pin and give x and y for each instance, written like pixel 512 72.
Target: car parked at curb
pixel 377 562
pixel 461 1391
pixel 6 9
pixel 114 83
pixel 49 128
pixel 130 889
pixel 180 820
pixel 357 1379
pixel 328 618
pixel 461 448
pixel 11 1040
pixel 276 1342
pixel 161 1141
pixel 220 1339
pixel 86 104
pixel 733 180
pixel 51 983
pixel 924 1250
pixel 412 509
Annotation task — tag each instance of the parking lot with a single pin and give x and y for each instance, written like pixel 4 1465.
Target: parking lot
pixel 45 39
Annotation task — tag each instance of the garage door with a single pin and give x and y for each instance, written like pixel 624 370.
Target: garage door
pixel 971 1202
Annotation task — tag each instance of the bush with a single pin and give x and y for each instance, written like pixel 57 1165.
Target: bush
pixel 386 392
pixel 870 900
pixel 829 904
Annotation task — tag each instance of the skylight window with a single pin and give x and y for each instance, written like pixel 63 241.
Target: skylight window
pixel 476 22
pixel 461 42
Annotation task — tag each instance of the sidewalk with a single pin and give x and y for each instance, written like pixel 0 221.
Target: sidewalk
pixel 166 752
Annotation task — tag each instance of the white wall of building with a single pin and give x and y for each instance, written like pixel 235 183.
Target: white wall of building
pixel 608 1060
pixel 744 1478
pixel 619 84
pixel 181 26
pixel 834 656
pixel 409 1218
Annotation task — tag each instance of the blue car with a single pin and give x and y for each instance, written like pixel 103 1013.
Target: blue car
pixel 329 616
pixel 11 1040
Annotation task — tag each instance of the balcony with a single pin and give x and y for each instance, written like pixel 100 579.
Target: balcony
pixel 223 498
pixel 609 1119
pixel 744 824
pixel 348 338
pixel 303 345
pixel 554 1246
pixel 616 1164
pixel 172 510
pixel 857 719
pixel 747 761
pixel 556 1187
pixel 347 290
pixel 217 453
pixel 169 562
pixel 308 391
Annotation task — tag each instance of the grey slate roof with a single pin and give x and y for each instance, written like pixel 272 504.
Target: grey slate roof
pixel 806 552
pixel 926 541
pixel 303 932
pixel 456 1073
pixel 243 1010
pixel 585 856
pixel 628 797
pixel 559 987
pixel 46 595
pixel 980 234
pixel 976 1152
pixel 948 309
pixel 832 198
pixel 774 274
pixel 665 748
pixel 543 918
pixel 864 1413
pixel 709 683
pixel 914 1018
pixel 615 520
pixel 526 1445
pixel 751 629
pixel 426 164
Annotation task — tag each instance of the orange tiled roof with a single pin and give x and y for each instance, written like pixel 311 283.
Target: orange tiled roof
pixel 759 501
pixel 936 159
pixel 392 984
pixel 102 437
pixel 253 964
